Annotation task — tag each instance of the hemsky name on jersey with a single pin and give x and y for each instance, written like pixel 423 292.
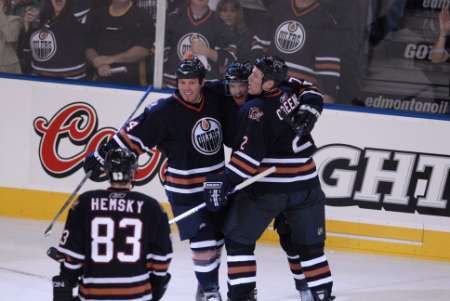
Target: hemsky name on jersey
pixel 116 204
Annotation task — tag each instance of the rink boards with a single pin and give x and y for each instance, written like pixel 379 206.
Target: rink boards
pixel 385 174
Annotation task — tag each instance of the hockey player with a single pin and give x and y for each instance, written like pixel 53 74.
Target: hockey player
pixel 194 148
pixel 266 139
pixel 304 35
pixel 116 240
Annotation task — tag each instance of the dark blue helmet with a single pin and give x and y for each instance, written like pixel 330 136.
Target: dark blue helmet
pixel 238 71
pixel 191 68
pixel 273 68
pixel 120 165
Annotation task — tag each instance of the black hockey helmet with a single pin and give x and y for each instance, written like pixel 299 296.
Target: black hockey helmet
pixel 120 165
pixel 191 68
pixel 238 71
pixel 272 67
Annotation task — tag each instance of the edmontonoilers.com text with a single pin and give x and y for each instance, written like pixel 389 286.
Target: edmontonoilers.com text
pixel 378 179
pixel 382 102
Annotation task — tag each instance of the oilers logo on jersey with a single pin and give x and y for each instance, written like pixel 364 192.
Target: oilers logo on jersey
pixel 290 36
pixel 43 45
pixel 185 43
pixel 207 136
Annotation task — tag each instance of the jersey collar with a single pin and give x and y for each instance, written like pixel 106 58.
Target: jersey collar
pixel 199 21
pixel 197 107
pixel 300 12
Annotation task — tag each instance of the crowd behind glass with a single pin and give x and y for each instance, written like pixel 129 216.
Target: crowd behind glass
pixel 390 54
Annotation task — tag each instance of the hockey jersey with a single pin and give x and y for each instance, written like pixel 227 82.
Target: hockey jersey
pixel 119 242
pixel 266 140
pixel 58 48
pixel 182 27
pixel 189 135
pixel 306 39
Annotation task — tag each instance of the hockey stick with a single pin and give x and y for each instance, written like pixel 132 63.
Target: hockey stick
pixel 244 184
pixel 67 203
pixel 88 174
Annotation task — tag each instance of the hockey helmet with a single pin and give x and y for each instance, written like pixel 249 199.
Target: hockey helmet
pixel 272 67
pixel 238 71
pixel 191 68
pixel 120 165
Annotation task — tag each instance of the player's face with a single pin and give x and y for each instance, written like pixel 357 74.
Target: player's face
pixel 229 14
pixel 255 82
pixel 190 89
pixel 238 90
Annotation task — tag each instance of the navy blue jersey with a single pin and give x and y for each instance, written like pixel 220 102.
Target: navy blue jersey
pixel 58 48
pixel 307 40
pixel 118 241
pixel 189 135
pixel 182 27
pixel 265 140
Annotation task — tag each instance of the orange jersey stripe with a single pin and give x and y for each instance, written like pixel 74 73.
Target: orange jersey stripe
pixel 110 291
pixel 182 181
pixel 243 165
pixel 293 170
pixel 157 266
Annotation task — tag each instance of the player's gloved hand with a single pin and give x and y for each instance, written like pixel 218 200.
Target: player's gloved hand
pixel 159 286
pixel 94 162
pixel 62 291
pixel 216 188
pixel 304 119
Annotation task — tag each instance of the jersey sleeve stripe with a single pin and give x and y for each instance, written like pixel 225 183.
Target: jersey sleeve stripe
pixel 328 66
pixel 247 158
pixel 132 145
pixel 238 172
pixel 159 257
pixel 72 266
pixel 70 253
pixel 200 170
pixel 242 165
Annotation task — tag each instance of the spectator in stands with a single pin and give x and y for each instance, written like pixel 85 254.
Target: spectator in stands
pixel 231 13
pixel 9 34
pixel 121 37
pixel 441 48
pixel 303 33
pixel 57 43
pixel 197 29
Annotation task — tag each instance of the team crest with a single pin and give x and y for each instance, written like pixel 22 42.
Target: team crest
pixel 185 43
pixel 207 136
pixel 43 45
pixel 255 113
pixel 290 36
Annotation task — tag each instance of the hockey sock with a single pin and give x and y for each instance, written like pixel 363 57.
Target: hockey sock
pixel 206 258
pixel 316 269
pixel 241 263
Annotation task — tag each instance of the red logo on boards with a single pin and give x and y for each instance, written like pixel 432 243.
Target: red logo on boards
pixel 71 134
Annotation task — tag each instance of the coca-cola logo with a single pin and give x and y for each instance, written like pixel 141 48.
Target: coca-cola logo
pixel 71 134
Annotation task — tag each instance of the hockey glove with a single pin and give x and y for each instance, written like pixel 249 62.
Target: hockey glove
pixel 62 291
pixel 305 119
pixel 216 189
pixel 94 162
pixel 159 286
